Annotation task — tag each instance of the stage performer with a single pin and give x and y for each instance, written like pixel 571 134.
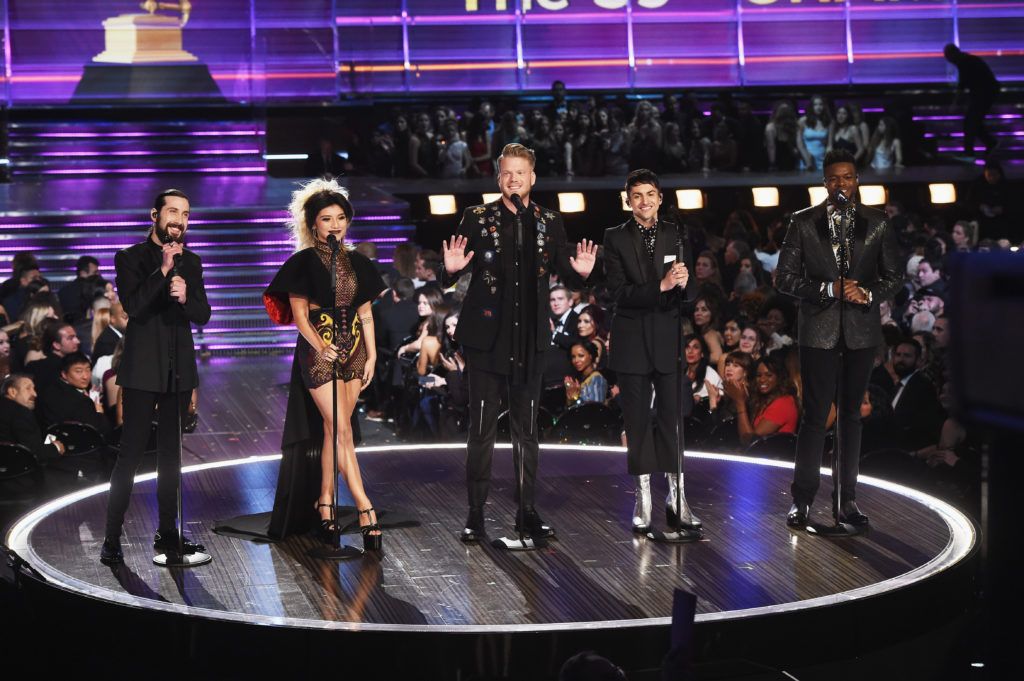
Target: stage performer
pixel 505 326
pixel 646 278
pixel 160 284
pixel 808 269
pixel 301 294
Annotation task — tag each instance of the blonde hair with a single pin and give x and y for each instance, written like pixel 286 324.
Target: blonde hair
pixel 303 234
pixel 100 322
pixel 516 150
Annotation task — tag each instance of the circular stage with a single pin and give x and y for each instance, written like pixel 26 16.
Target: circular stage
pixel 595 578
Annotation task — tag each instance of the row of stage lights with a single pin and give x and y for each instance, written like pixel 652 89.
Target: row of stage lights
pixel 693 199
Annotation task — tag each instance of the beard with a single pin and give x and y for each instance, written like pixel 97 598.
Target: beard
pixel 163 232
pixel 902 370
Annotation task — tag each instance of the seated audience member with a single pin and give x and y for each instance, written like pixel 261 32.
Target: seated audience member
pixel 97 319
pixel 752 341
pixel 730 338
pixel 70 294
pixel 965 235
pixel 450 385
pixel 564 327
pixel 69 399
pixel 429 303
pixel 917 413
pixel 428 264
pixel 5 354
pixel 774 323
pixel 20 261
pixel 771 398
pixel 59 341
pixel 703 378
pixel 20 295
pixel 587 385
pixel 736 370
pixel 27 343
pixel 590 328
pixel 955 458
pixel 113 332
pixel 17 422
pixel 706 321
pixel 705 271
pixel 109 389
pixel 922 322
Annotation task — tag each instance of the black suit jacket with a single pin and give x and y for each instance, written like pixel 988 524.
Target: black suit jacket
pixel 62 402
pixel 645 321
pixel 918 416
pixel 105 344
pixel 480 318
pixel 155 319
pixel 807 261
pixel 396 321
pixel 18 425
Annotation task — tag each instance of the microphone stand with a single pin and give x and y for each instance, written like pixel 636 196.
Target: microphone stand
pixel 179 559
pixel 839 528
pixel 681 535
pixel 524 542
pixel 335 550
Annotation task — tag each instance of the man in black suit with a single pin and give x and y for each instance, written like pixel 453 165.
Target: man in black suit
pixel 917 414
pixel 395 319
pixel 17 422
pixel 107 341
pixel 646 278
pixel 808 269
pixel 69 399
pixel 59 340
pixel 160 284
pixel 564 334
pixel 70 295
pixel 504 326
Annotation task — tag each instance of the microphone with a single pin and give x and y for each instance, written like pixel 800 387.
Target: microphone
pixel 517 201
pixel 840 199
pixel 332 241
pixel 177 262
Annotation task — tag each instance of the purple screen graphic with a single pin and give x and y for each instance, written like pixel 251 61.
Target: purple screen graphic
pixel 438 45
pixel 260 50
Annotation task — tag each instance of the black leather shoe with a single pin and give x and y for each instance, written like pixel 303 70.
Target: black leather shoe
pixel 851 515
pixel 535 526
pixel 474 528
pixel 166 541
pixel 797 516
pixel 111 553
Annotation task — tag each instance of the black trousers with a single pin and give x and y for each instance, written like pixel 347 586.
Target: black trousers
pixel 651 448
pixel 820 370
pixel 978 107
pixel 140 406
pixel 485 391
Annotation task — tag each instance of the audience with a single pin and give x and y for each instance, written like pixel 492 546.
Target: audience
pixel 18 423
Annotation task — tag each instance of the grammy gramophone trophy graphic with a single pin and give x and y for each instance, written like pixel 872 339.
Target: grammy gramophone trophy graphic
pixel 144 58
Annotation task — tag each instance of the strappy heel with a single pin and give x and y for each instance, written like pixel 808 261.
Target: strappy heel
pixel 371 542
pixel 325 530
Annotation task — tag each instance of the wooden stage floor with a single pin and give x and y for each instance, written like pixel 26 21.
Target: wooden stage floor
pixel 595 575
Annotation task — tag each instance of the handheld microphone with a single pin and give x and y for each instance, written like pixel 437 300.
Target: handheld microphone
pixel 840 199
pixel 517 201
pixel 177 262
pixel 332 241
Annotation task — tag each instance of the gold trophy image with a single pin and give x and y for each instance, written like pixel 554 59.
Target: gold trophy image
pixel 148 38
pixel 144 58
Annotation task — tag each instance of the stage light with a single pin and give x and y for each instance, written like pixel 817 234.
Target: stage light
pixel 942 192
pixel 442 204
pixel 817 194
pixel 285 157
pixel 689 199
pixel 625 202
pixel 765 197
pixel 872 194
pixel 490 197
pixel 571 202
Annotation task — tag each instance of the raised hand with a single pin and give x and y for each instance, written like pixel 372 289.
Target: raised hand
pixel 586 256
pixel 454 253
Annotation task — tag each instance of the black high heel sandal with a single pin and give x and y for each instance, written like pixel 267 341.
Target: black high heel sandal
pixel 371 542
pixel 325 530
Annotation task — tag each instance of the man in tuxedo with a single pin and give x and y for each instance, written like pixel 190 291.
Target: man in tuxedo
pixel 838 232
pixel 646 278
pixel 69 399
pixel 70 294
pixel 504 327
pixel 17 422
pixel 59 340
pixel 395 319
pixel 105 344
pixel 917 414
pixel 160 284
pixel 564 333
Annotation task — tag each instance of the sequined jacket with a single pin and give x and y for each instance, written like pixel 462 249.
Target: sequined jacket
pixel 807 261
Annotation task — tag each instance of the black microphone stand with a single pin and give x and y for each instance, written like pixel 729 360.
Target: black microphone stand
pixel 335 550
pixel 839 528
pixel 681 535
pixel 524 542
pixel 179 559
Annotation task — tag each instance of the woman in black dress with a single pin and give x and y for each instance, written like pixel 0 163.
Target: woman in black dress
pixel 336 339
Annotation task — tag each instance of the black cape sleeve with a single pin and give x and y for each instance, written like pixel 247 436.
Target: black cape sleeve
pixel 370 283
pixel 293 278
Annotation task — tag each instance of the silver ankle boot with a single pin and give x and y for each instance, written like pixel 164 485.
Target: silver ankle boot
pixel 642 506
pixel 686 520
